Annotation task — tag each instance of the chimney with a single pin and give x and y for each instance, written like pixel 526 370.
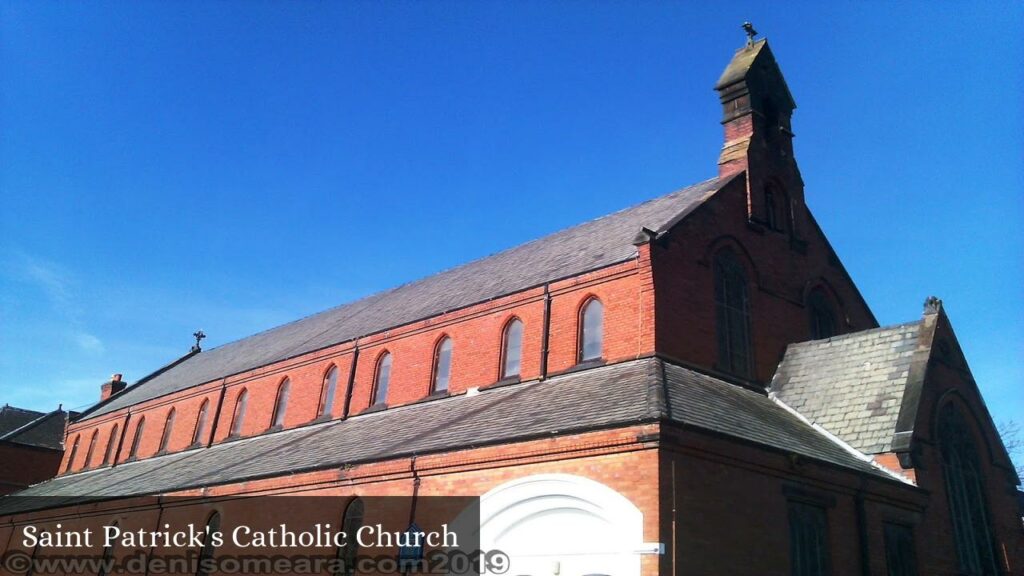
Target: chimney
pixel 112 387
pixel 756 112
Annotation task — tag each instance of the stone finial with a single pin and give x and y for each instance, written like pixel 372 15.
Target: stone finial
pixel 932 305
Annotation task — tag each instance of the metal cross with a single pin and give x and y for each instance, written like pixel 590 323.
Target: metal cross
pixel 749 29
pixel 199 336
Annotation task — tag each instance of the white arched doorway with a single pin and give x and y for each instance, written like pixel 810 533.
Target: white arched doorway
pixel 562 525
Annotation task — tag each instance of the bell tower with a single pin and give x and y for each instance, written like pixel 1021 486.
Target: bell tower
pixel 757 108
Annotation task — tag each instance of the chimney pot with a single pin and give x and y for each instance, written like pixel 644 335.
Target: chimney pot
pixel 115 378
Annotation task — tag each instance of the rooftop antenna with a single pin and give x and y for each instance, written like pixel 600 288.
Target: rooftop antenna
pixel 749 29
pixel 199 336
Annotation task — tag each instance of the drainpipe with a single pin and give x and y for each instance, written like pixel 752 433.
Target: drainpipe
pixel 216 414
pixel 350 385
pixel 862 532
pixel 545 336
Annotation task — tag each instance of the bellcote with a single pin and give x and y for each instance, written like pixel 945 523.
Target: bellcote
pixel 757 108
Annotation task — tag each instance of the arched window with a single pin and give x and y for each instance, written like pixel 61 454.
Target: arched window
pixel 330 386
pixel 823 323
pixel 111 443
pixel 351 522
pixel 591 335
pixel 74 451
pixel 239 417
pixel 965 493
pixel 442 364
pixel 512 348
pixel 139 428
pixel 208 549
pixel 200 431
pixel 382 379
pixel 168 428
pixel 108 555
pixel 92 448
pixel 732 320
pixel 281 404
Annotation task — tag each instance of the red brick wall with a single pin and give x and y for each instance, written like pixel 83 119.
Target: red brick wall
pixel 22 466
pixel 780 277
pixel 624 289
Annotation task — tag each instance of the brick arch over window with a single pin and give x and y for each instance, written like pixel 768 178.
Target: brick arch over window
pixel 510 362
pixel 965 493
pixel 351 522
pixel 732 313
pixel 238 417
pixel 740 251
pixel 201 418
pixel 165 437
pixel 140 429
pixel 284 390
pixel 92 448
pixel 590 329
pixel 108 453
pixel 328 390
pixel 208 549
pixel 74 452
pixel 442 365
pixel 381 379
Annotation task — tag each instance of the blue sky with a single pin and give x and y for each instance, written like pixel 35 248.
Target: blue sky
pixel 230 166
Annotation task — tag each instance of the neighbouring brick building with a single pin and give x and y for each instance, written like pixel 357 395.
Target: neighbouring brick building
pixel 693 385
pixel 31 446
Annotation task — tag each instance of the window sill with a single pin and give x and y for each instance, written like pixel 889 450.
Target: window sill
pixel 508 381
pixel 375 408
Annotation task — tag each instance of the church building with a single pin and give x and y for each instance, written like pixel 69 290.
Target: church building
pixel 692 385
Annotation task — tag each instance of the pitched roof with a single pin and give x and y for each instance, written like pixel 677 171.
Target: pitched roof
pixel 589 246
pixel 45 431
pixel 645 390
pixel 12 418
pixel 851 385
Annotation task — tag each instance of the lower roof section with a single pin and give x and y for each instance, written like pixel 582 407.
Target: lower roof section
pixel 644 390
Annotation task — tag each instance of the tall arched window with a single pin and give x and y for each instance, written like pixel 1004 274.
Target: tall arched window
pixel 351 522
pixel 111 443
pixel 168 428
pixel 512 348
pixel 732 321
pixel 591 337
pixel 239 417
pixel 330 387
pixel 442 364
pixel 965 493
pixel 92 448
pixel 200 431
pixel 382 379
pixel 74 451
pixel 139 428
pixel 281 404
pixel 823 322
pixel 108 555
pixel 208 549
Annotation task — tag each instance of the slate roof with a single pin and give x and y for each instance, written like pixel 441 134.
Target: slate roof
pixel 645 390
pixel 12 418
pixel 851 385
pixel 46 431
pixel 589 246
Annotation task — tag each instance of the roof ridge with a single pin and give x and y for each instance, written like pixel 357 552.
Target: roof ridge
pixel 473 261
pixel 31 424
pixel 852 335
